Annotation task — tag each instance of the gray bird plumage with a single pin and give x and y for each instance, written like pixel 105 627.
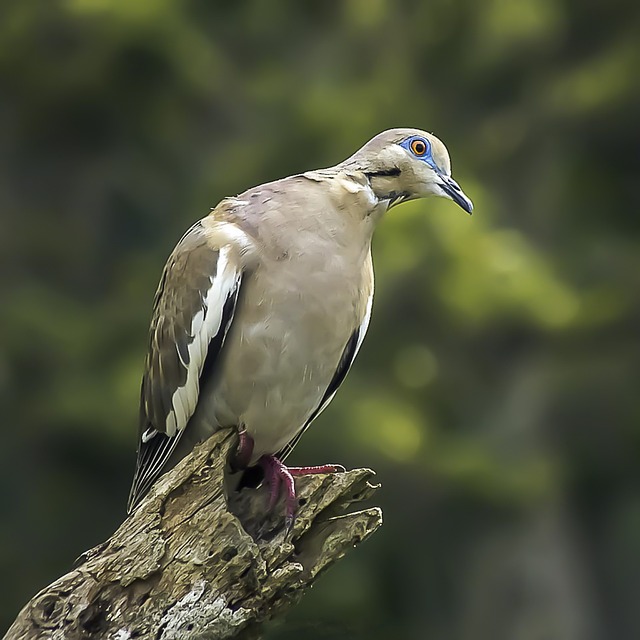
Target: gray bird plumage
pixel 264 303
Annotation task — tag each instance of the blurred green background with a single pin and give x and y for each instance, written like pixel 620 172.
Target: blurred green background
pixel 496 394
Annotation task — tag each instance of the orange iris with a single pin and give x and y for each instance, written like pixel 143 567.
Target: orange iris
pixel 419 147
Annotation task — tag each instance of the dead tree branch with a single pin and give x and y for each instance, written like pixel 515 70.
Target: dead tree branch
pixel 184 567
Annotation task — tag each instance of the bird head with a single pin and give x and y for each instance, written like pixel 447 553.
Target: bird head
pixel 406 164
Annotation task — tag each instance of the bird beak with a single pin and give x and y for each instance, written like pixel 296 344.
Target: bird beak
pixel 452 190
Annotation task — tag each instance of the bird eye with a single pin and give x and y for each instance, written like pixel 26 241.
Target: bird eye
pixel 419 147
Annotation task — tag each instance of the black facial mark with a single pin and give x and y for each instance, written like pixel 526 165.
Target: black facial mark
pixel 395 171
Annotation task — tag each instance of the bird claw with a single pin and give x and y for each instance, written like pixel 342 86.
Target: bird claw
pixel 279 477
pixel 289 521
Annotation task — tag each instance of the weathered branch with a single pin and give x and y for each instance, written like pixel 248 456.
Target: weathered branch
pixel 184 567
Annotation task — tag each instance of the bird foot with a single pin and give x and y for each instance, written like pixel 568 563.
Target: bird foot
pixel 279 477
pixel 322 468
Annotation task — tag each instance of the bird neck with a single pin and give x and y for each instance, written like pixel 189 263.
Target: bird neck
pixel 350 191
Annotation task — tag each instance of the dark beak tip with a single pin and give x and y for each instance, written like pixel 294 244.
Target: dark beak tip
pixel 451 188
pixel 465 204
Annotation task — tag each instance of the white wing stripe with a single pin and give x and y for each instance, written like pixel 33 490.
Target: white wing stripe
pixel 204 326
pixel 182 362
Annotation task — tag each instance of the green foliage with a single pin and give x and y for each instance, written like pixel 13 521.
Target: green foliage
pixel 496 392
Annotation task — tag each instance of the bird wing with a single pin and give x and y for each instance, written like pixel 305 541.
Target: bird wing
pixel 346 360
pixel 192 312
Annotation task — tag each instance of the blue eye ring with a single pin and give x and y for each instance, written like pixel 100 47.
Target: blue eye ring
pixel 420 148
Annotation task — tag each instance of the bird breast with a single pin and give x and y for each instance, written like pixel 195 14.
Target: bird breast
pixel 294 319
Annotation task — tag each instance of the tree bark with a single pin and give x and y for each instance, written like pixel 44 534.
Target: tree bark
pixel 186 565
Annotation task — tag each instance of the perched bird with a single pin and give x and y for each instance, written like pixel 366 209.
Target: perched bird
pixel 264 303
